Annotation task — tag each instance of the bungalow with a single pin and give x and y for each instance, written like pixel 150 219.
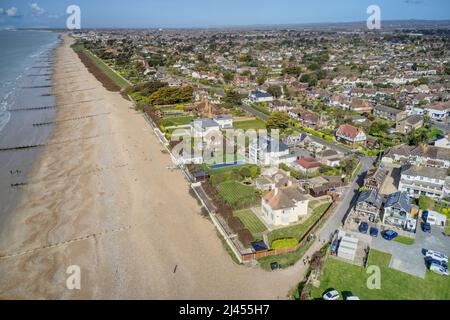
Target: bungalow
pixel 273 178
pixel 361 106
pixel 260 96
pixel 430 156
pixel 406 125
pixel 307 165
pixel 225 121
pixel 283 206
pixel 351 135
pixel 398 212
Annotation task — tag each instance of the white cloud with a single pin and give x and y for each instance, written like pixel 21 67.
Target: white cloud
pixel 12 12
pixel 36 9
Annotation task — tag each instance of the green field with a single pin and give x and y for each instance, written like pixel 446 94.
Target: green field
pixel 395 285
pixel 121 82
pixel 250 221
pixel 256 124
pixel 299 230
pixel 237 195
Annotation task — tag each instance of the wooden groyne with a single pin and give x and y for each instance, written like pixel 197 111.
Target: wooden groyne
pixel 72 119
pixel 24 147
pixel 31 108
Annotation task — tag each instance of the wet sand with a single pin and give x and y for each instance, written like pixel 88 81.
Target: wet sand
pixel 101 196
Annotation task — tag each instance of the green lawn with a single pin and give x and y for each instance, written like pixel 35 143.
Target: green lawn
pixel 256 124
pixel 176 121
pixel 250 221
pixel 261 107
pixel 405 240
pixel 395 285
pixel 213 172
pixel 285 260
pixel 284 243
pixel 237 195
pixel 121 82
pixel 299 230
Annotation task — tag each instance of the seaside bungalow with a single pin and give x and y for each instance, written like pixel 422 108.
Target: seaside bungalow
pixel 260 96
pixel 398 212
pixel 281 207
pixel 369 204
pixel 351 135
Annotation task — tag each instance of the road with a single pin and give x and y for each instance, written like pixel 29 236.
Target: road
pixel 347 201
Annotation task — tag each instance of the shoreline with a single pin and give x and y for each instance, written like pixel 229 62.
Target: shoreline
pixel 102 198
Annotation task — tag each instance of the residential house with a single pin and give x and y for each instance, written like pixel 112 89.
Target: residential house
pixel 274 178
pixel 260 96
pixel 264 151
pixel 406 125
pixel 425 155
pixel 389 113
pixel 439 111
pixel 443 142
pixel 427 181
pixel 369 204
pixel 204 127
pixel 375 179
pixel 307 165
pixel 361 106
pixel 351 135
pixel 283 206
pixel 225 121
pixel 330 158
pixel 399 212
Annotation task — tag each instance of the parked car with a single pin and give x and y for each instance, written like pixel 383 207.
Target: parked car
pixel 429 261
pixel 352 298
pixel 363 227
pixel 331 295
pixel 438 269
pixel 436 256
pixel 390 235
pixel 425 215
pixel 426 227
pixel 374 232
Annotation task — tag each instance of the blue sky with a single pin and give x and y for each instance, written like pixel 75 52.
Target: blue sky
pixel 211 13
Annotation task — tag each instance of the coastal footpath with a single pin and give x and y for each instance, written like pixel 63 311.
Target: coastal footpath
pixel 101 197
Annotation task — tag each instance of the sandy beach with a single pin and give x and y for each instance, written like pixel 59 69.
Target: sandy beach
pixel 101 196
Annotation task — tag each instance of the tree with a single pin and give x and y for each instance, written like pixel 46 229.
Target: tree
pixel 228 76
pixel 278 120
pixel 425 203
pixel 275 91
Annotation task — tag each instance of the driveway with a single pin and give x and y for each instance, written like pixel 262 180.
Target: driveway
pixel 410 258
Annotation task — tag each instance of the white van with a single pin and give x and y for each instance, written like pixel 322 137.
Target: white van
pixel 437 256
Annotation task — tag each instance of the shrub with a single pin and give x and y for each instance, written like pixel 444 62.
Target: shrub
pixel 235 224
pixel 245 237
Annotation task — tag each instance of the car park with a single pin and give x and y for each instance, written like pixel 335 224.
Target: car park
pixel 438 269
pixel 436 256
pixel 390 235
pixel 331 295
pixel 374 232
pixel 363 227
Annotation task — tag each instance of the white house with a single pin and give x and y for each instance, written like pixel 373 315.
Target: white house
pixel 281 207
pixel 203 127
pixel 265 151
pixel 427 181
pixel 260 96
pixel 439 111
pixel 224 121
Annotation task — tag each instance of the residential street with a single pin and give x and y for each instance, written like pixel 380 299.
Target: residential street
pixel 347 201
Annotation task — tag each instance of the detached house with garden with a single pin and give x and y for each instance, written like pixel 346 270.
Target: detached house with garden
pixel 283 206
pixel 351 135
